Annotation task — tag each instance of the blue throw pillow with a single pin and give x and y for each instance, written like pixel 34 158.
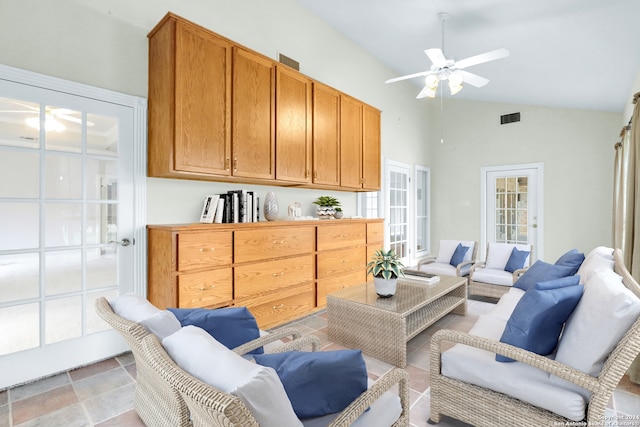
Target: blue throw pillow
pixel 516 260
pixel 538 318
pixel 572 258
pixel 541 271
pixel 231 326
pixel 458 254
pixel 319 383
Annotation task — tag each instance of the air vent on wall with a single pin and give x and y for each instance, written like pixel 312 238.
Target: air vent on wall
pixel 289 62
pixel 509 118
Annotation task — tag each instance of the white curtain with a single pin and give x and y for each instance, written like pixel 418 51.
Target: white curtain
pixel 626 203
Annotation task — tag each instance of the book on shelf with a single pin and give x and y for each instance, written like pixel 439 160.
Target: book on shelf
pixel 234 206
pixel 209 208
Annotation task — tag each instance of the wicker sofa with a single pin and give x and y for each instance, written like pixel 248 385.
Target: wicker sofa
pixel 156 401
pixel 466 397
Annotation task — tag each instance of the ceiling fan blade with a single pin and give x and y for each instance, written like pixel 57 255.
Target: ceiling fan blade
pixel 473 79
pixel 410 76
pixel 423 93
pixel 436 57
pixel 483 57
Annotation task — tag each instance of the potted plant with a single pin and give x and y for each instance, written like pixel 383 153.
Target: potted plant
pixel 385 267
pixel 326 206
pixel 338 213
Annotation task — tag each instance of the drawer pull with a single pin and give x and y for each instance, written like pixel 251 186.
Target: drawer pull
pixel 276 307
pixel 278 242
pixel 344 236
pixel 207 249
pixel 278 274
pixel 204 288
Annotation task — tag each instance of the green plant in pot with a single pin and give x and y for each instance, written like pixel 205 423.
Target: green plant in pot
pixel 326 206
pixel 385 267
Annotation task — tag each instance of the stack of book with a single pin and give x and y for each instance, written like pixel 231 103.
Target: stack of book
pixel 417 276
pixel 234 206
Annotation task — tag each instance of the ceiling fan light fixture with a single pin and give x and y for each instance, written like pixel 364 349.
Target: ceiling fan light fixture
pixel 455 82
pixel 50 124
pixel 431 81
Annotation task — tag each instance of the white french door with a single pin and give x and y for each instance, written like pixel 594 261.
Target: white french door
pixel 70 233
pixel 398 206
pixel 512 206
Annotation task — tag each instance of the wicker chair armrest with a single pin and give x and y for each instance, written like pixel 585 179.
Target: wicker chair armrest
pixel 426 260
pixel 532 359
pixel 463 264
pixel 389 380
pixel 476 265
pixel 310 341
pixel 267 339
pixel 519 272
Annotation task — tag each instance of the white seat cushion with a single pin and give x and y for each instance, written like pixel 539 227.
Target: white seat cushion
pixel 515 379
pixel 506 304
pixel 446 249
pixel 493 276
pixel 596 261
pixel 498 254
pixel 439 268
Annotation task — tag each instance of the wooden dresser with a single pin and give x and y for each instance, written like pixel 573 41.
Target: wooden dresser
pixel 280 270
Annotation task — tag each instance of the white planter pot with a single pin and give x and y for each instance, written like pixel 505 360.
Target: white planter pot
pixel 385 288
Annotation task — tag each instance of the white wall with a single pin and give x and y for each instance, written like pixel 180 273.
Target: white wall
pixel 576 147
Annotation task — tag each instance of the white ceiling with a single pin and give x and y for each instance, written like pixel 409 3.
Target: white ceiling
pixel 563 53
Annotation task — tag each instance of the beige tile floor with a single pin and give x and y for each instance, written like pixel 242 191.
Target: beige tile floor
pixel 102 394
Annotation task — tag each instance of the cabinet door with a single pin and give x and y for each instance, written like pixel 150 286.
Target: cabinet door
pixel 202 106
pixel 326 135
pixel 293 126
pixel 253 124
pixel 350 142
pixel 371 149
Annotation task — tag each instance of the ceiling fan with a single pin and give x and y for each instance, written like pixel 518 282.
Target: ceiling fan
pixel 443 69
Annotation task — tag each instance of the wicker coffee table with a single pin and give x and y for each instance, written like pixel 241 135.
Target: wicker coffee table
pixel 381 327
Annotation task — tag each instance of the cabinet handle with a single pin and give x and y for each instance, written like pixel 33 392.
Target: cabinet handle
pixel 278 274
pixel 276 307
pixel 207 249
pixel 226 164
pixel 315 175
pixel 344 236
pixel 278 242
pixel 235 164
pixel 204 288
pixel 307 173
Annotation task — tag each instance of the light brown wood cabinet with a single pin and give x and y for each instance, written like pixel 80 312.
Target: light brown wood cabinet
pixel 279 270
pixel 220 111
pixel 293 126
pixel 326 135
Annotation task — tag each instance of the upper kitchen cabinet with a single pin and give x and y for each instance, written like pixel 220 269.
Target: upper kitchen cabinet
pixel 370 149
pixel 189 101
pixel 293 126
pixel 253 115
pixel 326 135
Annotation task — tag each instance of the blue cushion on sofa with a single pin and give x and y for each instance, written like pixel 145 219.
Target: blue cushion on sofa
pixel 541 271
pixel 458 254
pixel 538 318
pixel 571 258
pixel 516 260
pixel 319 383
pixel 231 326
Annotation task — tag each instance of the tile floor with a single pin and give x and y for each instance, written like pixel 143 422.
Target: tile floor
pixel 102 394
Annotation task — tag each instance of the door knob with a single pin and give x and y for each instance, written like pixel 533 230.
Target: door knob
pixel 124 242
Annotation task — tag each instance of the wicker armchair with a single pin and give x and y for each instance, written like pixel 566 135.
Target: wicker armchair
pixel 439 263
pixel 156 401
pixel 480 406
pixel 495 282
pixel 211 407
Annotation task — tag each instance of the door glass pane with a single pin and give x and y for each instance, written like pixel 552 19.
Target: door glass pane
pixel 102 267
pixel 63 177
pixel 102 135
pixel 14 131
pixel 511 209
pixel 63 129
pixel 93 322
pixel 63 224
pixel 398 211
pixel 19 226
pixel 63 319
pixel 102 219
pixel 19 277
pixel 101 179
pixel 63 272
pixel 22 167
pixel 19 327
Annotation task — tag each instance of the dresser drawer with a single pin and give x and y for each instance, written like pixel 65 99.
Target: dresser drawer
pixel 341 262
pixel 204 249
pixel 285 306
pixel 258 245
pixel 341 236
pixel 335 283
pixel 205 289
pixel 265 277
pixel 375 233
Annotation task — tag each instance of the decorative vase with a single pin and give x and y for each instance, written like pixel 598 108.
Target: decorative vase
pixel 385 288
pixel 338 214
pixel 325 212
pixel 270 207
